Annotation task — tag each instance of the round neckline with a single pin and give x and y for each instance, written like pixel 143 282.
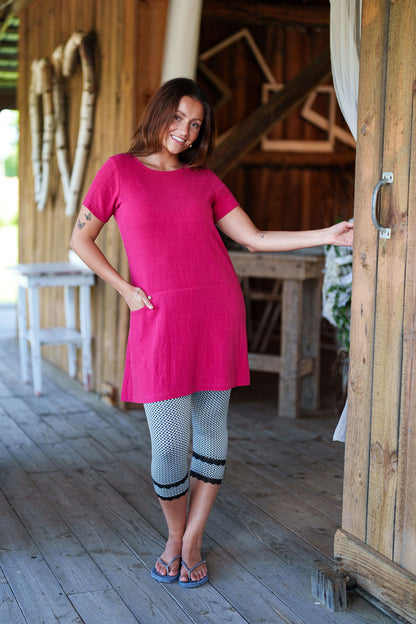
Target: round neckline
pixel 158 170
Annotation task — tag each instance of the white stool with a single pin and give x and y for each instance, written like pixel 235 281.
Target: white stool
pixel 31 277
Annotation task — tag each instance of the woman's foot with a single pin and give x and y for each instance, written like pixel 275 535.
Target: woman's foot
pixel 191 557
pixel 172 550
pixel 190 571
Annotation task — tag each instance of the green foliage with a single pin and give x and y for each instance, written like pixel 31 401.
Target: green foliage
pixel 11 164
pixel 337 291
pixel 341 311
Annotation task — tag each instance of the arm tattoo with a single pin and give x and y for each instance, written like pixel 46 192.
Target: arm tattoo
pixel 81 224
pixel 263 234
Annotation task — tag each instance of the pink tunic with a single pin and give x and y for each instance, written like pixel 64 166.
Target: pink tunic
pixel 195 337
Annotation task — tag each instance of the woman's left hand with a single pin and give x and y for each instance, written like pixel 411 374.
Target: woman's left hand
pixel 341 234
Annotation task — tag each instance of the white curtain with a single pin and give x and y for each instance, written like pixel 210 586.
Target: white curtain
pixel 345 35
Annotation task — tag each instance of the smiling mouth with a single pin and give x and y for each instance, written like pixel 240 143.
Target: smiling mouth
pixel 177 139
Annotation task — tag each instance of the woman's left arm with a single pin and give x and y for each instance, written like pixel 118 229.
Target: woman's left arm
pixel 238 226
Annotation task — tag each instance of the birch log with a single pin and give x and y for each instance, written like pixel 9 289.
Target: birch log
pixel 42 125
pixel 35 116
pixel 84 45
pixel 61 142
pixel 48 128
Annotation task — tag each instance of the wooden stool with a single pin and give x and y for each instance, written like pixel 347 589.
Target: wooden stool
pixel 298 275
pixel 31 277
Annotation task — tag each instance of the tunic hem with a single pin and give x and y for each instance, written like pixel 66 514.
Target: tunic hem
pixel 129 398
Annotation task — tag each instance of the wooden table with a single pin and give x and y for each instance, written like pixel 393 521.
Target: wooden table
pixel 300 276
pixel 31 277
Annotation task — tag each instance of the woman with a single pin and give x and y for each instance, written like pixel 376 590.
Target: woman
pixel 187 342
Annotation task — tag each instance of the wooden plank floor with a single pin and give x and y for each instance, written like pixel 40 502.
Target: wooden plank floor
pixel 81 527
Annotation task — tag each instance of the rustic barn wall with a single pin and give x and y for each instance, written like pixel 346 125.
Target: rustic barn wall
pixel 129 39
pixel 280 191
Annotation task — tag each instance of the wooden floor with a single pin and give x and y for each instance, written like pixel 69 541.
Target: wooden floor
pixel 81 527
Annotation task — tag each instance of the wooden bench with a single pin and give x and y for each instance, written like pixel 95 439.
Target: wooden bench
pixel 30 278
pixel 299 274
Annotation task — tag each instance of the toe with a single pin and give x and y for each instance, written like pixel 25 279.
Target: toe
pixel 196 575
pixel 161 569
pixel 174 568
pixel 199 573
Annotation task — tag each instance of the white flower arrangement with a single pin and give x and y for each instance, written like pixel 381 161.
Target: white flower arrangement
pixel 336 291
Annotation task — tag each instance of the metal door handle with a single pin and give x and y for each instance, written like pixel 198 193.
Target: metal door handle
pixel 387 178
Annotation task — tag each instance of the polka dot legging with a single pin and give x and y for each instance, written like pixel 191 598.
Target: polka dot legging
pixel 170 431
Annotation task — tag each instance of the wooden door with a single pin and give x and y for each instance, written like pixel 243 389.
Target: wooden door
pixel 377 542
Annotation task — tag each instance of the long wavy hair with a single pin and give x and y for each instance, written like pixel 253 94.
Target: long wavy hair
pixel 158 115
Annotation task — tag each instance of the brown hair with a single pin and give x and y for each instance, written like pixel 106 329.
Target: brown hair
pixel 158 115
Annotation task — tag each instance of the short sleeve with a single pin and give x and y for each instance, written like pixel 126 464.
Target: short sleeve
pixel 224 200
pixel 103 195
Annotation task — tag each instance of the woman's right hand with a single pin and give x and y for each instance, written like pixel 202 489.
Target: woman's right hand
pixel 136 299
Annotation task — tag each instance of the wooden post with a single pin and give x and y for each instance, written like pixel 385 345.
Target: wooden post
pixel 311 343
pixel 180 51
pixel 70 319
pixel 289 387
pixel 329 586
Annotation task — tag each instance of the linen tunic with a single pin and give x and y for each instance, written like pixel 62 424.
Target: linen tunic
pixel 195 337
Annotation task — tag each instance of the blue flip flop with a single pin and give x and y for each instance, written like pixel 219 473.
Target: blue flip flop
pixel 188 584
pixel 165 578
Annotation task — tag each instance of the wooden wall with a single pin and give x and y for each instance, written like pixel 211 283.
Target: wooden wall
pixel 279 191
pixel 129 37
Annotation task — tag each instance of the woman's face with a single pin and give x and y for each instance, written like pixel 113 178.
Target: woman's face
pixel 185 126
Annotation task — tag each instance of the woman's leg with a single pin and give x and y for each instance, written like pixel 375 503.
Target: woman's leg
pixel 210 442
pixel 175 516
pixel 169 425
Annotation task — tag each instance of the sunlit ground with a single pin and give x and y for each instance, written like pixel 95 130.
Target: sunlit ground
pixel 8 257
pixel 8 237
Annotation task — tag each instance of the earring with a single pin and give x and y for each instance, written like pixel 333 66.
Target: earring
pixel 190 146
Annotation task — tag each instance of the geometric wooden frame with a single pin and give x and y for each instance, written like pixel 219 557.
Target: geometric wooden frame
pixel 327 124
pixel 222 87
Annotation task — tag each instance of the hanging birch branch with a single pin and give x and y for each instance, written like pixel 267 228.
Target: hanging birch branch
pixel 84 45
pixel 48 127
pixel 35 116
pixel 48 115
pixel 61 143
pixel 42 126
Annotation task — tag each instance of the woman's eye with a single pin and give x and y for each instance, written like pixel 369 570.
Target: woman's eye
pixel 176 117
pixel 196 125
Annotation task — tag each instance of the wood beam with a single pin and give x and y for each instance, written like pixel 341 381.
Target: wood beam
pixel 309 160
pixel 389 583
pixel 249 132
pixel 247 13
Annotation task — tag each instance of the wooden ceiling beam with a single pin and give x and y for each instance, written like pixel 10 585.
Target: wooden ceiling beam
pixel 247 134
pixel 298 160
pixel 245 12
